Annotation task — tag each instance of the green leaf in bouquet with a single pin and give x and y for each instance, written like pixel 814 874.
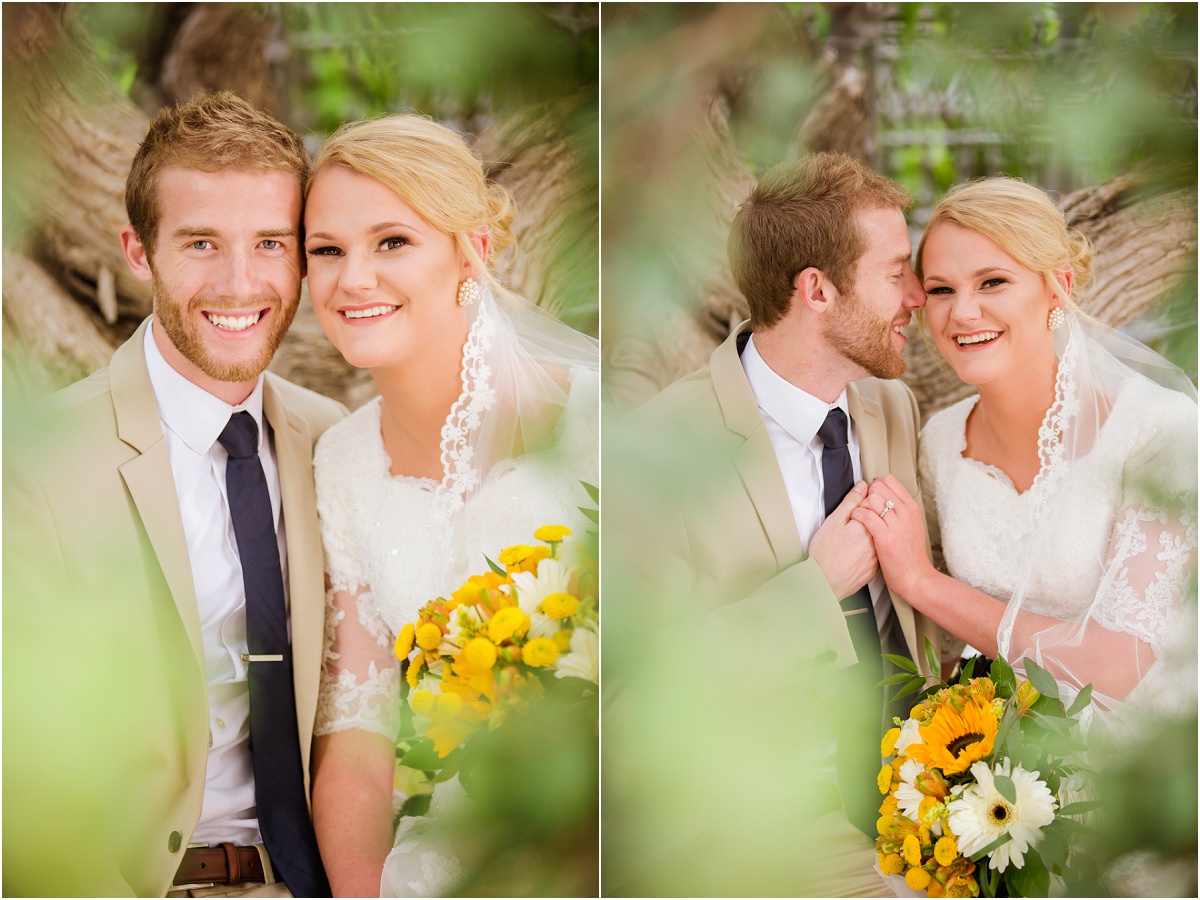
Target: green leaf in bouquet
pixel 1078 809
pixel 968 671
pixel 416 805
pixel 499 570
pixel 1049 706
pixel 1053 849
pixel 1041 679
pixel 914 685
pixel 894 679
pixel 1055 722
pixel 1081 701
pixel 1007 789
pixel 593 491
pixel 1031 880
pixel 593 515
pixel 421 755
pixel 994 845
pixel 1007 721
pixel 931 657
pixel 902 662
pixel 1003 677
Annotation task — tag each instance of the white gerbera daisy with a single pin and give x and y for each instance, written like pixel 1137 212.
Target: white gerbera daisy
pixel 909 734
pixel 553 577
pixel 583 661
pixel 908 797
pixel 981 814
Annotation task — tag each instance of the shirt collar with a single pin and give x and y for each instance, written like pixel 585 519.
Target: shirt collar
pixel 798 412
pixel 192 413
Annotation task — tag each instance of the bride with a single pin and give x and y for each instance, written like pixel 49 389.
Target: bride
pixel 486 424
pixel 1065 490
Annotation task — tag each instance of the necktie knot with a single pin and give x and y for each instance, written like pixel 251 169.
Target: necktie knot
pixel 240 436
pixel 833 431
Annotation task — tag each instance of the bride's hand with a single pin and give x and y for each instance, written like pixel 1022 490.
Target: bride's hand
pixel 897 527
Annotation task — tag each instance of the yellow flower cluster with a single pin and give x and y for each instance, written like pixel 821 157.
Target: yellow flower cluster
pixel 472 655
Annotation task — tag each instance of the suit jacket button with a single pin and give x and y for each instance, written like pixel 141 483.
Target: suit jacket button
pixel 175 841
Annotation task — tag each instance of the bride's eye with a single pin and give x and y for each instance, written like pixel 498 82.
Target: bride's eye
pixel 992 282
pixel 941 289
pixel 325 251
pixel 393 243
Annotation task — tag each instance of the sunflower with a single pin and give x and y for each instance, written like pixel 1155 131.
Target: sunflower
pixel 954 739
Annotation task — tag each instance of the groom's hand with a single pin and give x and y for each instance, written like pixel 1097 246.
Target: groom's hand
pixel 843 547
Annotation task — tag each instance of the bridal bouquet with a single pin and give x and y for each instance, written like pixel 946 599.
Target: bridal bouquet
pixel 973 783
pixel 505 637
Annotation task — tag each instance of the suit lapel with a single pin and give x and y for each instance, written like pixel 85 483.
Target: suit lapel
pixel 306 574
pixel 755 459
pixel 150 481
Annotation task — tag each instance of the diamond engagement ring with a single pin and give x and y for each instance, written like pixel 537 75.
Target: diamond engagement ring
pixel 887 507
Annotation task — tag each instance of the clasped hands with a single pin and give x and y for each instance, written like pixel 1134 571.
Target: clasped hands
pixel 864 533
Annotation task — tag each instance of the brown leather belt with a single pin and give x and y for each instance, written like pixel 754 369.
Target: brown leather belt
pixel 225 863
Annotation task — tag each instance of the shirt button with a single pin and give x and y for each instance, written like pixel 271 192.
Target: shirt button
pixel 221 724
pixel 175 841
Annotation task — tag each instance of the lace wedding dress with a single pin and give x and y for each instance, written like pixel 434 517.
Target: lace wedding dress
pixel 1104 538
pixel 392 543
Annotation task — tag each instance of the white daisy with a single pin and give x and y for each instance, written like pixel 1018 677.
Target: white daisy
pixel 553 577
pixel 908 798
pixel 909 734
pixel 981 814
pixel 583 660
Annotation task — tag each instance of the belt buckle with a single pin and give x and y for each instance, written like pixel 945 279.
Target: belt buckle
pixel 199 885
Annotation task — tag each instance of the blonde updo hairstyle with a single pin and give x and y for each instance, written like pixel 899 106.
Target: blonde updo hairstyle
pixel 1023 222
pixel 431 168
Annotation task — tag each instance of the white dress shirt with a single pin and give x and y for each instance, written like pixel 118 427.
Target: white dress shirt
pixel 192 419
pixel 792 417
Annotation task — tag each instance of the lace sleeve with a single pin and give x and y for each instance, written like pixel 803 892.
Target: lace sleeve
pixel 360 675
pixel 1153 547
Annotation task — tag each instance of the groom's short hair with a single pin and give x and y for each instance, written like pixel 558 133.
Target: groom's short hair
pixel 211 133
pixel 803 214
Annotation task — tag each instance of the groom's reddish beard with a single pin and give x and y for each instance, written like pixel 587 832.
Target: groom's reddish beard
pixel 864 338
pixel 184 331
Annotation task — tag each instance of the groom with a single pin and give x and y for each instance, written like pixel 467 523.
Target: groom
pixel 178 560
pixel 804 403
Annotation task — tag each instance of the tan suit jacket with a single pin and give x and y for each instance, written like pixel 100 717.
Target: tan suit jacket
pixel 738 534
pixel 99 540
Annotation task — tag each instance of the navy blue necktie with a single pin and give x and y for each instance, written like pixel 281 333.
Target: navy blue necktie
pixel 274 739
pixel 858 743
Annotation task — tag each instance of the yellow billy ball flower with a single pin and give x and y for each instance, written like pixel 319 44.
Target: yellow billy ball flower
pixel 429 636
pixel 888 746
pixel 562 639
pixel 912 850
pixel 884 779
pixel 923 835
pixel 882 823
pixel 422 702
pixel 414 669
pixel 450 704
pixel 506 623
pixel 539 652
pixel 559 606
pixel 945 850
pixel 404 641
pixel 512 556
pixel 892 864
pixel 917 879
pixel 480 653
pixel 552 534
